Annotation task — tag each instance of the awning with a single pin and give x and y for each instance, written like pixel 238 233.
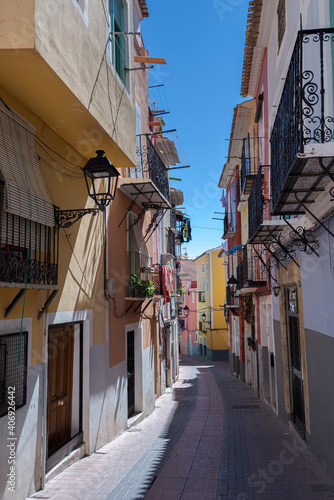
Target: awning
pixel 26 194
pixel 167 151
pixel 176 197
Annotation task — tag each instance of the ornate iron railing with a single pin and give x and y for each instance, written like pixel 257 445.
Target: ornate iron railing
pixel 170 241
pixel 256 205
pixel 149 164
pixel 229 224
pixel 28 251
pixel 252 273
pixel 238 191
pixel 248 167
pixel 305 113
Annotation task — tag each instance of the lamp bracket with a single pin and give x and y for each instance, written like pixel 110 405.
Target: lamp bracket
pixel 66 218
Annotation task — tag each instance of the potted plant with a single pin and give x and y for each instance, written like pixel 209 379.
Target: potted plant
pixel 147 288
pixel 140 288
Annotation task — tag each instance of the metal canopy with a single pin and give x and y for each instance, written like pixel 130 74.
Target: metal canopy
pixel 143 191
pixel 263 234
pixel 308 178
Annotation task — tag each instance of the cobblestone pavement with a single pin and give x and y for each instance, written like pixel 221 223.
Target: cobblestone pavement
pixel 209 438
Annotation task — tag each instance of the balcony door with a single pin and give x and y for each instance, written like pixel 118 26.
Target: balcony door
pixel 294 356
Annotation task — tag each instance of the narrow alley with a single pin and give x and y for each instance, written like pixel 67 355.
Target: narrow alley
pixel 209 437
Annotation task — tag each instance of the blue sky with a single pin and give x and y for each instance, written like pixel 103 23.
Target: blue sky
pixel 203 44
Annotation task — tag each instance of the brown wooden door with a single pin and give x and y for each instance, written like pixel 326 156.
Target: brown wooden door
pixel 60 381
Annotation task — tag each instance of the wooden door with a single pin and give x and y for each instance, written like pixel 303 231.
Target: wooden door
pixel 131 372
pixel 60 382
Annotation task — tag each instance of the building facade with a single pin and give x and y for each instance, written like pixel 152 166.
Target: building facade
pixel 288 72
pixel 211 324
pixel 88 329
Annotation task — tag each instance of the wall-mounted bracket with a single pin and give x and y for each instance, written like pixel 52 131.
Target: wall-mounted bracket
pixel 66 218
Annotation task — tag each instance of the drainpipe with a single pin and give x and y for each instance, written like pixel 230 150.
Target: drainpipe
pixel 44 402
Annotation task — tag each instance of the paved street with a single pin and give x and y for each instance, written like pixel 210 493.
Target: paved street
pixel 209 438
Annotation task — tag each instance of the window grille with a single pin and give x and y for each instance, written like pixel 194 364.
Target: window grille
pixel 13 374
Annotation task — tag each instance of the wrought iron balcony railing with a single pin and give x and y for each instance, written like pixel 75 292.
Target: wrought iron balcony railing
pixel 304 121
pixel 231 301
pixel 238 192
pixel 248 169
pixel 202 326
pixel 251 274
pixel 170 242
pixel 28 251
pixel 256 206
pixel 229 226
pixel 149 164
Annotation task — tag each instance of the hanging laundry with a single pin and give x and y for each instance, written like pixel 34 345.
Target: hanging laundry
pixel 186 234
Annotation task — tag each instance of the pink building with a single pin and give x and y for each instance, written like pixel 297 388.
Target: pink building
pixel 187 313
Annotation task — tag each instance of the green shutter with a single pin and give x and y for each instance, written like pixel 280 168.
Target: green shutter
pixel 118 41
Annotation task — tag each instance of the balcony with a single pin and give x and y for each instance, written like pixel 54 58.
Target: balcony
pixel 149 279
pixel 28 253
pixel 148 183
pixel 231 302
pixel 229 226
pixel 170 240
pixel 202 326
pixel 302 152
pixel 248 170
pixel 250 273
pixel 260 227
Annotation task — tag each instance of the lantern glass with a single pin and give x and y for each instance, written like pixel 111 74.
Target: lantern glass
pixel 97 169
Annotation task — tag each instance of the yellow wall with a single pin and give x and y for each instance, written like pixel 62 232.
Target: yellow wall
pixel 80 277
pixel 216 338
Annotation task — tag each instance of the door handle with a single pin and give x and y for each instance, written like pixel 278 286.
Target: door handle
pixel 60 402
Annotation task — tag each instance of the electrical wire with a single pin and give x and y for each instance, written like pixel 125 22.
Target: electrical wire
pixel 57 170
pixel 40 141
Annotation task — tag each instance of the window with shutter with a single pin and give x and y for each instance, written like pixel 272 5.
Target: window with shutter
pixel 118 47
pixel 281 22
pixel 28 237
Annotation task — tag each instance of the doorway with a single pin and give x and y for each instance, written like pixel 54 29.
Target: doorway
pixel 294 356
pixel 131 371
pixel 65 358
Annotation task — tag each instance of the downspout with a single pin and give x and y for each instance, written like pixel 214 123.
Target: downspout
pixel 44 402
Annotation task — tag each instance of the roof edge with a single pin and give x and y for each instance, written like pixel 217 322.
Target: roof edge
pixel 252 33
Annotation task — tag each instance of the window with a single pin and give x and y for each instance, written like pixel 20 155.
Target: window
pixel 203 267
pixel 117 48
pixel 196 337
pixel 207 285
pixel 207 266
pixel 193 297
pixel 13 374
pixel 28 238
pixel 281 22
pixel 134 235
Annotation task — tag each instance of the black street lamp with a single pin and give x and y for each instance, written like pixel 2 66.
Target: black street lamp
pixel 186 311
pixel 203 317
pixel 101 192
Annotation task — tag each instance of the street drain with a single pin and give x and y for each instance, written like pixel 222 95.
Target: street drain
pixel 323 488
pixel 245 407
